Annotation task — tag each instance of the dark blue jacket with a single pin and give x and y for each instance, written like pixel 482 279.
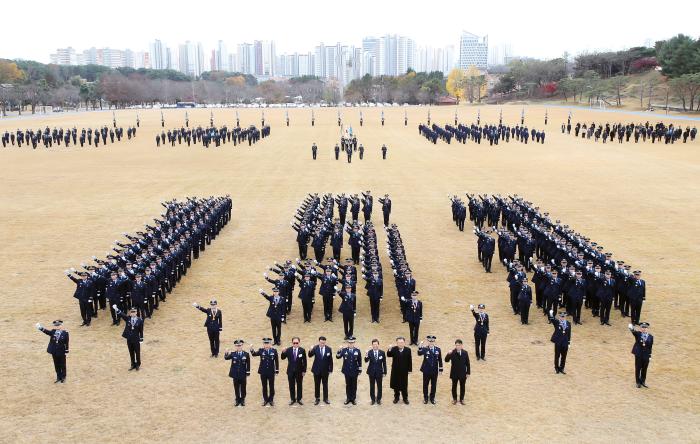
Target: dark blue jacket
pixel 352 362
pixel 240 364
pixel 376 367
pixel 269 361
pixel 323 364
pixel 58 342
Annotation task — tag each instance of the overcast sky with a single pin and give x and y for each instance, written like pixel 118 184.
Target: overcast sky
pixel 535 28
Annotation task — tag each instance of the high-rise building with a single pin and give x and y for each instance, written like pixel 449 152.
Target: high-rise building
pixel 64 56
pixel 306 64
pixel 370 47
pixel 158 55
pixel 221 60
pixel 473 51
pixel 245 62
pixel 268 57
pixel 320 61
pixel 191 59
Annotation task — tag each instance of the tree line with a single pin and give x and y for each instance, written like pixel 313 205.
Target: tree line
pixel 605 76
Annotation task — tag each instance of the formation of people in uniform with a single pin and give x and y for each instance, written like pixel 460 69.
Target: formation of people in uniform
pixel 570 272
pixel 138 274
pixel 66 137
pixel 212 136
pixel 626 132
pixel 475 132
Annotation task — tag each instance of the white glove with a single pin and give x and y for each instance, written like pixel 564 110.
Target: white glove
pixel 114 306
pixel 195 305
pixel 551 312
pixel 630 326
pixel 264 274
pixel 38 326
pixel 67 272
pixel 260 290
pixel 471 306
pixel 275 262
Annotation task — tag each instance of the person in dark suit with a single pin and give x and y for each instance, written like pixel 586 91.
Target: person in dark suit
pixel 321 368
pixel 133 333
pixel 386 206
pixel 401 366
pixel 561 339
pixel 376 370
pixel 643 343
pixel 214 325
pixel 414 316
pixel 348 307
pixel 276 311
pixel 84 294
pixel 58 347
pixel 352 367
pixel 605 294
pixel 524 301
pixel 481 330
pixel 431 367
pixel 240 370
pixel 268 368
pixel 459 371
pixel 296 369
pixel 636 295
pixel 577 293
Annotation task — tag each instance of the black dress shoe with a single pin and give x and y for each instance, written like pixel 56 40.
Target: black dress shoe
pixel 59 380
pixel 299 402
pixel 562 372
pixel 405 401
pixel 242 403
pixel 237 404
pixel 316 402
pixel 425 401
pixel 327 401
pixel 432 401
pixel 643 385
pixel 639 385
pixel 272 404
pixel 64 380
pixel 379 402
pixel 396 400
pixel 461 401
pixel 372 403
pixel 264 403
pixel 292 402
pixel 132 367
pixel 347 401
pixel 454 401
pixel 557 370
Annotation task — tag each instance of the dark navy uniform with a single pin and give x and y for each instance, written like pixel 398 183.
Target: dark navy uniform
pixel 431 368
pixel 643 343
pixel 481 331
pixel 239 372
pixel 269 367
pixel 57 348
pixel 352 367
pixel 133 333
pixel 214 325
pixel 414 316
pixel 276 312
pixel 561 339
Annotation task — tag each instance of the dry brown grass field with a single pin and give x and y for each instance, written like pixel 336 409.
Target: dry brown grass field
pixel 60 206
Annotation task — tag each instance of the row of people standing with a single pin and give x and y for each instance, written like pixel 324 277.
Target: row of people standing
pixel 57 136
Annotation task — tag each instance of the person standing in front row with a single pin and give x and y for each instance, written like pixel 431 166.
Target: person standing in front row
pixel 401 366
pixel 269 367
pixel 321 368
pixel 296 369
pixel 431 368
pixel 352 367
pixel 239 371
pixel 459 371
pixel 376 370
pixel 58 348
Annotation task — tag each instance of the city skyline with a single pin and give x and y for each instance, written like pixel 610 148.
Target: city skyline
pixel 295 28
